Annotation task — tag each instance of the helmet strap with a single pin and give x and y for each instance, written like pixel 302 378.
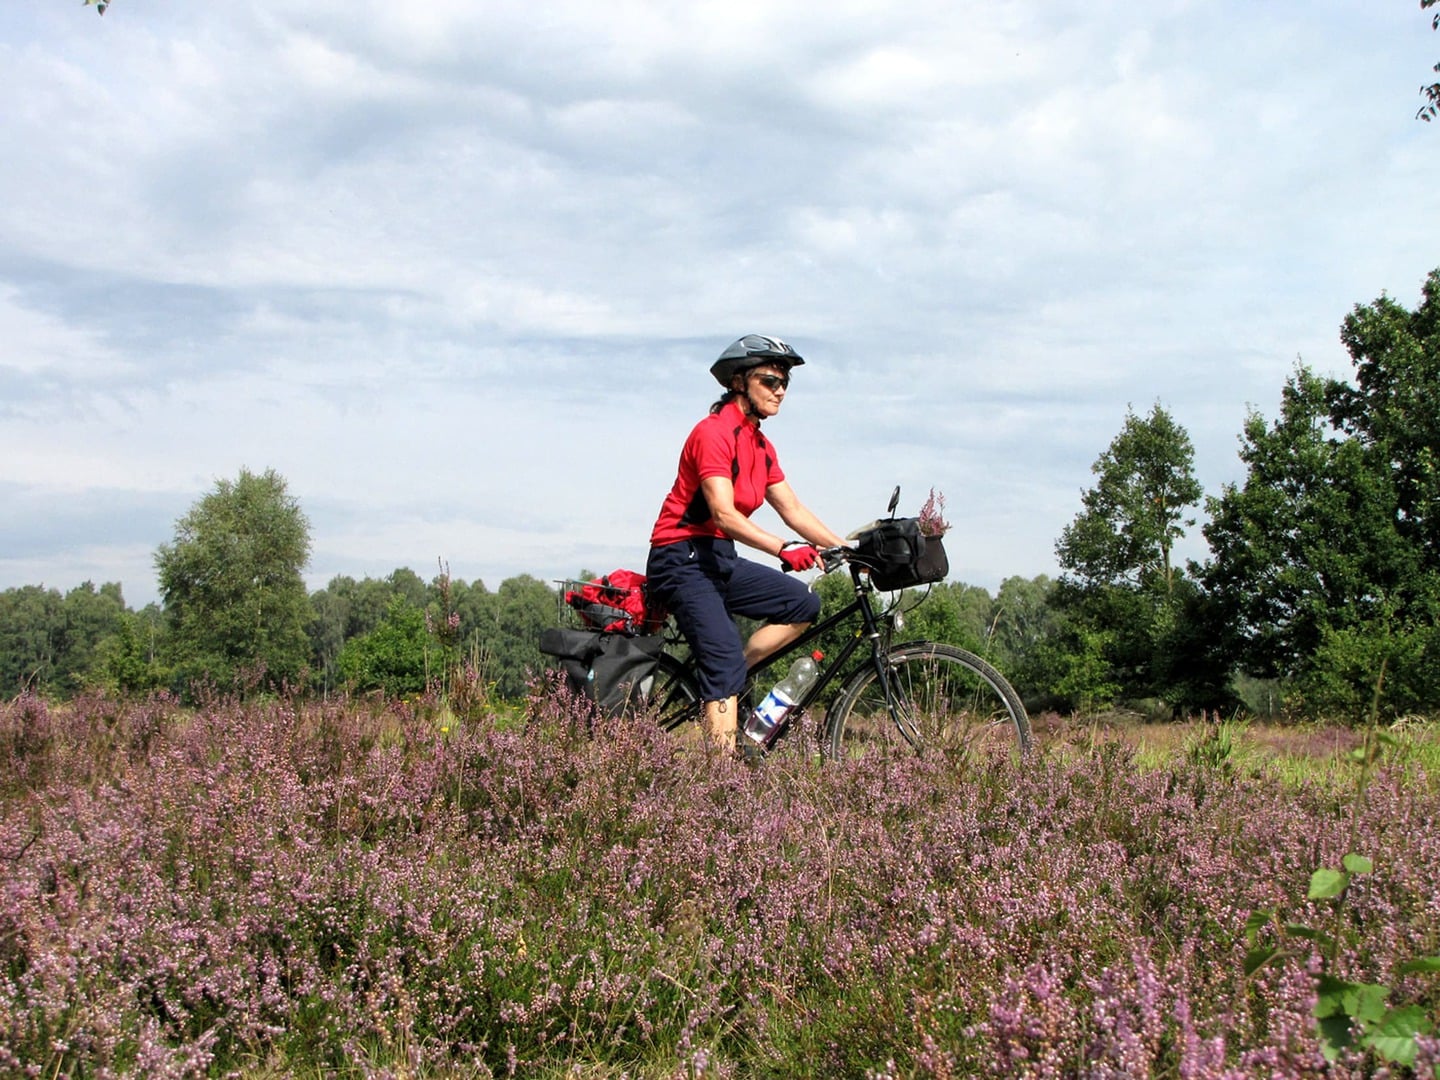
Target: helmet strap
pixel 743 395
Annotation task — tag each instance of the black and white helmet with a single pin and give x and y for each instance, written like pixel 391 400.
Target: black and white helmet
pixel 750 351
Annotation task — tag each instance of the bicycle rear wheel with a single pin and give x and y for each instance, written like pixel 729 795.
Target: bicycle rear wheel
pixel 946 699
pixel 674 696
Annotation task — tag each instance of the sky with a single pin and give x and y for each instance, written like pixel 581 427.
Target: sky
pixel 456 270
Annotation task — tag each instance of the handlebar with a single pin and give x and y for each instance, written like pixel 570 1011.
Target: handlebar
pixel 832 558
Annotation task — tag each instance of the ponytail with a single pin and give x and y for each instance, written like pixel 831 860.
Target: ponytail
pixel 725 399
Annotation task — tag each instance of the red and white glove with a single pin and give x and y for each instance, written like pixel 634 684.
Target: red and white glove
pixel 798 555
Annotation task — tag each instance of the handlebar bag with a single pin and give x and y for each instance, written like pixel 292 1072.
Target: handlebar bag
pixel 900 555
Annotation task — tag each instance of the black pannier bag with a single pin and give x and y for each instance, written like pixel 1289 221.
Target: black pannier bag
pixel 612 670
pixel 900 555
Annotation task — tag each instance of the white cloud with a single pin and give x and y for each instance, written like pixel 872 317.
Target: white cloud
pixel 40 344
pixel 439 264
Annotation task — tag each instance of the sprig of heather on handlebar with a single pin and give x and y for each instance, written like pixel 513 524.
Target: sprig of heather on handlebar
pixel 932 515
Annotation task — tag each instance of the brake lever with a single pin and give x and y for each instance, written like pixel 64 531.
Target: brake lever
pixel 832 559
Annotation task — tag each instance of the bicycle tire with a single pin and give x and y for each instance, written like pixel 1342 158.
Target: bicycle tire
pixel 951 700
pixel 674 696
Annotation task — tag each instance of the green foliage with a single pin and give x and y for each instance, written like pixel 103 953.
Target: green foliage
pixel 346 609
pixel 1326 561
pixel 1214 749
pixel 1431 93
pixel 1343 672
pixel 235 600
pixel 1026 639
pixel 52 643
pixel 955 613
pixel 90 616
pixel 1125 630
pixel 1135 513
pixel 1276 566
pixel 523 607
pixel 1024 620
pixel 392 657
pixel 1083 673
pixel 127 660
pixel 1348 1014
pixel 30 637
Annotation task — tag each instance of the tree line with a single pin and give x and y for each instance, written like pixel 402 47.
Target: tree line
pixel 1320 593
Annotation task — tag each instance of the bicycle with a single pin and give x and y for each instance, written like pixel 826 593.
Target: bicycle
pixel 916 696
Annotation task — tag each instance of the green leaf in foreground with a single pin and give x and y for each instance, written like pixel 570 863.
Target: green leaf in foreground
pixel 1255 959
pixel 1257 921
pixel 1326 883
pixel 1393 1037
pixel 1364 1002
pixel 1357 864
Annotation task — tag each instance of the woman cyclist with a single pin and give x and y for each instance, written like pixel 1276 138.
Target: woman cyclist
pixel 727 469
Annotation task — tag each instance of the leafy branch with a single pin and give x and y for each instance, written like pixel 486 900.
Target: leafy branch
pixel 1431 93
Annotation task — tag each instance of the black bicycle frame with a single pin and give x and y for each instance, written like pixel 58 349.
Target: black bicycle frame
pixel 869 630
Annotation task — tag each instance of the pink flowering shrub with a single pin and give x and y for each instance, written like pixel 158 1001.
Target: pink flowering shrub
pixel 932 515
pixel 350 890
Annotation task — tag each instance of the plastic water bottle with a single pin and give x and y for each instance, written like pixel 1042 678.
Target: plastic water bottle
pixel 782 698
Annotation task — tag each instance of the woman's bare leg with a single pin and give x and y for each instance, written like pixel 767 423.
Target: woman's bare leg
pixel 771 638
pixel 720 724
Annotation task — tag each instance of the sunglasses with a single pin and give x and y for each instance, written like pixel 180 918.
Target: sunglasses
pixel 774 382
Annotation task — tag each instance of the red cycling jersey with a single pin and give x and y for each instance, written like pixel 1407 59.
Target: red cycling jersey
pixel 726 443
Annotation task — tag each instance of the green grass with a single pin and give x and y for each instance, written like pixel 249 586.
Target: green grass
pixel 1292 755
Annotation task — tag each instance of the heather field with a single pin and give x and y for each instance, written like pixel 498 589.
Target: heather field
pixel 361 889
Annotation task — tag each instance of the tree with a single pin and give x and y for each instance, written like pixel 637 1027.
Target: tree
pixel 393 657
pixel 1027 640
pixel 523 607
pixel 1431 93
pixel 128 660
pixel 1325 562
pixel 331 608
pixel 234 596
pixel 89 617
pixel 1272 566
pixel 32 629
pixel 955 613
pixel 1120 592
pixel 1393 409
pixel 1024 619
pixel 1135 513
pixel 346 609
pixel 52 643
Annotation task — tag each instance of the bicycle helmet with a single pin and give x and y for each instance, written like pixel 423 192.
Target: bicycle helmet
pixel 750 351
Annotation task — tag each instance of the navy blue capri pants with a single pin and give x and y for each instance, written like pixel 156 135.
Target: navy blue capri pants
pixel 703 582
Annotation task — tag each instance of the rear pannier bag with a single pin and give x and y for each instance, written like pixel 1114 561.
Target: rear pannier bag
pixel 900 555
pixel 613 670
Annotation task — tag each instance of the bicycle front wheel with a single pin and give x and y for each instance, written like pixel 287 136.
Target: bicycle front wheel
pixel 942 699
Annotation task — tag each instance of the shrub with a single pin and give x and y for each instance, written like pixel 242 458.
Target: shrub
pixel 350 891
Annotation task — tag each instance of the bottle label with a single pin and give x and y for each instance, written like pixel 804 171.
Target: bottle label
pixel 773 709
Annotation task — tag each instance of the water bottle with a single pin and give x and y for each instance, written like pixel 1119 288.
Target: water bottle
pixel 782 698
